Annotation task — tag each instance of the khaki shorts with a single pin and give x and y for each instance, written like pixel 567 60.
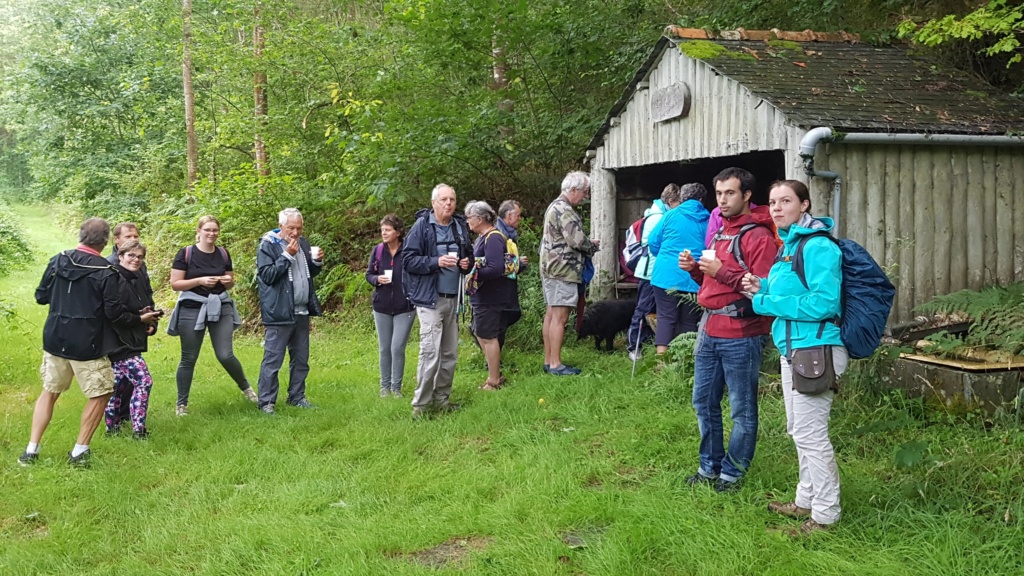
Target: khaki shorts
pixel 95 377
pixel 560 292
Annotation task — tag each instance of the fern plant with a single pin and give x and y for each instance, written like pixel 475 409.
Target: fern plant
pixel 997 313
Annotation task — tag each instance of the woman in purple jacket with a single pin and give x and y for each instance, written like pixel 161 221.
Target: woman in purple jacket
pixel 392 312
pixel 494 292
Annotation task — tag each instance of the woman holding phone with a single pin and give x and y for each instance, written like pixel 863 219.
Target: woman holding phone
pixel 202 274
pixel 133 326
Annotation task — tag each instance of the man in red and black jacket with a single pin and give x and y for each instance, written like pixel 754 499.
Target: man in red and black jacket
pixel 732 337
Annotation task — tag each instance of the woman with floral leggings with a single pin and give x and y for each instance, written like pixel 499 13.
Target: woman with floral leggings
pixel 135 323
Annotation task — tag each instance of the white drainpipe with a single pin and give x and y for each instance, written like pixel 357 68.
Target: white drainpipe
pixel 809 143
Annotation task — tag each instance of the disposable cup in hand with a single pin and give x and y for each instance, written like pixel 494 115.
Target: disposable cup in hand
pixel 315 252
pixel 708 255
pixel 453 254
pixel 388 273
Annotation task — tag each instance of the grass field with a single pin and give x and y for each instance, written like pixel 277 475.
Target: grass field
pixel 548 476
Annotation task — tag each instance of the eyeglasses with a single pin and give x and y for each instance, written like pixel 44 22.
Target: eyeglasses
pixel 135 256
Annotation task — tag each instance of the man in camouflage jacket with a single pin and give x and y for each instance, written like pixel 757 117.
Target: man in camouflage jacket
pixel 563 248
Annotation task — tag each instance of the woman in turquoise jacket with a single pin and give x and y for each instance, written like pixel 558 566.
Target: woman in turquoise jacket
pixel 804 318
pixel 681 228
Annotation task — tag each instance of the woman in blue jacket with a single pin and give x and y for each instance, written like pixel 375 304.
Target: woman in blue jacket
pixel 804 315
pixel 681 228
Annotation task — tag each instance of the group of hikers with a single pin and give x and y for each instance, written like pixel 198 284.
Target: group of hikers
pixel 102 312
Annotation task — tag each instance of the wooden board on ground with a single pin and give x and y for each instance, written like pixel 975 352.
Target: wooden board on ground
pixel 969 365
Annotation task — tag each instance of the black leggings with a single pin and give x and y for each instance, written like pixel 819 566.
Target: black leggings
pixel 192 342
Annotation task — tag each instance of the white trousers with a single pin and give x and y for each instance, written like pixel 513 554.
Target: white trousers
pixel 807 422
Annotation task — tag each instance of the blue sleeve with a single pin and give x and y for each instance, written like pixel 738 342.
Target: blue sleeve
pixel 654 240
pixel 271 267
pixel 823 298
pixel 414 259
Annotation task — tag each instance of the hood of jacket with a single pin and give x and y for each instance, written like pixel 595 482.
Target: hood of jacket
pixel 509 232
pixel 693 210
pixel 74 265
pixel 657 207
pixel 807 225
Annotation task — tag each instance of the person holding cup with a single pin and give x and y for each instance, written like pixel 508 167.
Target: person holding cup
pixel 732 336
pixel 804 311
pixel 393 313
pixel 285 268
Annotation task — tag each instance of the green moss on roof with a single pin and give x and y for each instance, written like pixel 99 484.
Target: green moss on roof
pixel 706 50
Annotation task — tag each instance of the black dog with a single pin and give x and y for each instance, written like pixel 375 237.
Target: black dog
pixel 604 319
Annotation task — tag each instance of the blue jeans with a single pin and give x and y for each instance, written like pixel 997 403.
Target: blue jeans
pixel 736 363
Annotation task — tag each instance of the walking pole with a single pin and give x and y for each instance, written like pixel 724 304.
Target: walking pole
pixel 639 344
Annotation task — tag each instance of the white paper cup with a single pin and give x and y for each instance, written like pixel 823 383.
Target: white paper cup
pixel 708 255
pixel 453 254
pixel 315 252
pixel 388 273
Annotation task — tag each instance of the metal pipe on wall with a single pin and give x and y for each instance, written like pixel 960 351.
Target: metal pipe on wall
pixel 809 144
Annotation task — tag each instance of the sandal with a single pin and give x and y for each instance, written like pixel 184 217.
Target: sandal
pixel 490 387
pixel 789 509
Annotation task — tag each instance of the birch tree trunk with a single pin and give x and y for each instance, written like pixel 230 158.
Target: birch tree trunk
pixel 191 143
pixel 260 95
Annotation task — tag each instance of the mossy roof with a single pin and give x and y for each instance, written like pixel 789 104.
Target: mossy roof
pixel 862 88
pixel 848 86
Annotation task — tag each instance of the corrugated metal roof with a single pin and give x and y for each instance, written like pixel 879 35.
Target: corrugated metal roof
pixel 848 86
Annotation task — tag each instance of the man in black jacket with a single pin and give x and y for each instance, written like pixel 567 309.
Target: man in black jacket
pixel 80 287
pixel 285 267
pixel 437 255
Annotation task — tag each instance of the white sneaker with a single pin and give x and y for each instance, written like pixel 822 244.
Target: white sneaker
pixel 635 355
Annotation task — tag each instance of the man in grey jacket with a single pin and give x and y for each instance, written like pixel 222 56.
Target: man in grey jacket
pixel 285 267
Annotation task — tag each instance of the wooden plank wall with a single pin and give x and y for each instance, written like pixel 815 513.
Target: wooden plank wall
pixel 943 218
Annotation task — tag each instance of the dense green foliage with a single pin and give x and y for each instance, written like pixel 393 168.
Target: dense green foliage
pixel 370 103
pixel 996 315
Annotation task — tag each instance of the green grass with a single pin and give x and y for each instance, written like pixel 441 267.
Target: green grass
pixel 356 487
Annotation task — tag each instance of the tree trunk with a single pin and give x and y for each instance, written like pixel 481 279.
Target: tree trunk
pixel 191 143
pixel 260 96
pixel 499 67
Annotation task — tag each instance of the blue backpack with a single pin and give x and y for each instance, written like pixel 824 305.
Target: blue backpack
pixel 867 295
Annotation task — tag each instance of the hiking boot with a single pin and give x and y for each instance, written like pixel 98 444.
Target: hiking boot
pixel 28 458
pixel 383 392
pixel 448 408
pixel 396 393
pixel 268 409
pixel 113 430
pixel 419 414
pixel 141 434
pixel 250 395
pixel 181 410
pixel 699 479
pixel 635 355
pixel 80 461
pixel 302 403
pixel 726 487
pixel 807 528
pixel 789 509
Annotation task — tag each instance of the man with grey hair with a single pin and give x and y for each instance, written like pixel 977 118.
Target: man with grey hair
pixel 80 287
pixel 285 267
pixel 564 247
pixel 509 216
pixel 436 255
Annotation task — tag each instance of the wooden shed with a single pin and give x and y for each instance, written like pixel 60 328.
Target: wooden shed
pixel 923 166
